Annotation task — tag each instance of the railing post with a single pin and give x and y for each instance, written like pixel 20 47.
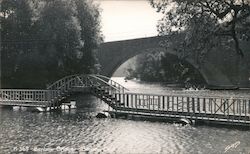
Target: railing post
pixel 136 97
pixel 240 107
pixel 163 102
pixel 249 106
pixel 120 97
pixel 167 103
pixel 177 106
pixel 204 105
pixel 182 104
pixel 198 104
pixel 127 100
pixel 193 105
pixel 173 102
pixel 210 105
pixel 158 103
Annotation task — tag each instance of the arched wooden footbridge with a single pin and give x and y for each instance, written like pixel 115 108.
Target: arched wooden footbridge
pixel 52 97
pixel 227 110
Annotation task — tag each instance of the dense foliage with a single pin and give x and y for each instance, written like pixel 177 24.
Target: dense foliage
pixel 44 40
pixel 196 27
pixel 205 24
pixel 162 67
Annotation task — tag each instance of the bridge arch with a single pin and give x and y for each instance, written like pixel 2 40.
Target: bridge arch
pixel 130 56
pixel 162 51
pixel 112 54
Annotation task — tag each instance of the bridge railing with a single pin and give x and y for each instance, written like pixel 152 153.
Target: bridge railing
pixel 220 108
pixel 87 81
pixel 71 81
pixel 60 83
pixel 65 85
pixel 112 83
pixel 27 96
pixel 104 87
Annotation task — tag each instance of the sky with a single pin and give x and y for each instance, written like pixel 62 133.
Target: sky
pixel 127 19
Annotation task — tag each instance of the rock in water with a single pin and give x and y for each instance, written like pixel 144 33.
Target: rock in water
pixel 102 115
pixel 185 121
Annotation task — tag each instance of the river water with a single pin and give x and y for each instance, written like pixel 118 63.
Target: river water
pixel 78 131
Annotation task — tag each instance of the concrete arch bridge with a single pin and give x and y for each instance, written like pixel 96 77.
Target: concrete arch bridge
pixel 221 70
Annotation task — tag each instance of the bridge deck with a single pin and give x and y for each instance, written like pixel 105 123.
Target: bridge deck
pixel 170 116
pixel 25 104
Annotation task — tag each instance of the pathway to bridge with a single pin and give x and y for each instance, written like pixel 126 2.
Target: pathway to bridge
pixel 226 110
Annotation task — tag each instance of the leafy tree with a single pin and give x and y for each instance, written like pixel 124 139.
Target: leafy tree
pixel 16 27
pixel 148 67
pixel 176 70
pixel 56 38
pixel 162 67
pixel 59 27
pixel 205 24
pixel 89 19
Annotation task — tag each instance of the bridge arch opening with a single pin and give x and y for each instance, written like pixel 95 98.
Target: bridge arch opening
pixel 176 70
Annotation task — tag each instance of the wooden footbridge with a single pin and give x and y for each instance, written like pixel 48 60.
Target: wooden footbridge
pixel 227 110
pixel 56 93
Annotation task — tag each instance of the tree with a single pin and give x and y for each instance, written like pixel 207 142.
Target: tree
pixel 71 29
pixel 89 19
pixel 16 27
pixel 57 38
pixel 163 67
pixel 60 30
pixel 148 67
pixel 205 24
pixel 178 70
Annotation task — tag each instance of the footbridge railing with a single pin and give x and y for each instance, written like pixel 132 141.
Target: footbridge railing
pixel 60 90
pixel 27 97
pixel 100 86
pixel 225 109
pixel 83 80
pixel 112 82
